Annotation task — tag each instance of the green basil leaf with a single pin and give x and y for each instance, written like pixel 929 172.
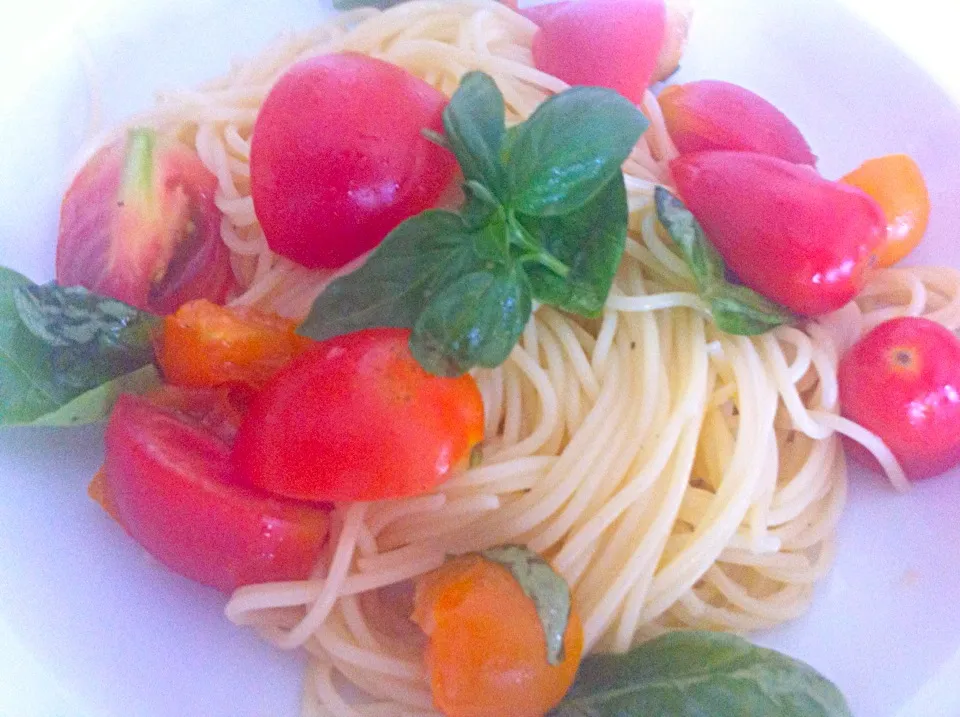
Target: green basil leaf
pixel 72 346
pixel 548 590
pixel 474 125
pixel 415 261
pixel 475 321
pixel 694 674
pixel 590 242
pixel 736 309
pixel 480 207
pixel 92 339
pixel 569 149
pixel 94 405
pixel 743 312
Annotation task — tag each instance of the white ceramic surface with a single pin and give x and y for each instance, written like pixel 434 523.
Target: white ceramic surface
pixel 91 627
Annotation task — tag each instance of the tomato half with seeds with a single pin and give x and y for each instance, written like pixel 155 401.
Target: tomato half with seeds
pixel 168 481
pixel 902 382
pixel 357 418
pixel 139 223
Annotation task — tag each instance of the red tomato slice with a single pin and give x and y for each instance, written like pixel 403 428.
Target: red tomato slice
pixel 714 115
pixel 338 158
pixel 605 43
pixel 785 231
pixel 169 484
pixel 902 381
pixel 357 418
pixel 139 223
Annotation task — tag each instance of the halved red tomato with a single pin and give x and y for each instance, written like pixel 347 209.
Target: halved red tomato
pixel 168 482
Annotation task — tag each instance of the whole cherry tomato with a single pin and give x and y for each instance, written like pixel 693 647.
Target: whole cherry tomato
pixel 607 43
pixel 486 655
pixel 902 382
pixel 785 231
pixel 168 481
pixel 139 224
pixel 338 158
pixel 896 183
pixel 710 115
pixel 357 418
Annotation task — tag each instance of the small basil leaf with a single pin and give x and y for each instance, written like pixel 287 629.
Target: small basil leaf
pixel 692 674
pixel 590 241
pixel 77 344
pixel 480 207
pixel 548 590
pixel 743 312
pixel 94 405
pixel 92 339
pixel 475 321
pixel 569 148
pixel 736 309
pixel 474 125
pixel 414 261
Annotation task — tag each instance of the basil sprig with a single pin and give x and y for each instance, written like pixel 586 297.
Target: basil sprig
pixel 735 308
pixel 66 353
pixel 544 218
pixel 691 674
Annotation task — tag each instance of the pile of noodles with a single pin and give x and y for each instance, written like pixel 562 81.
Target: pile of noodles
pixel 676 476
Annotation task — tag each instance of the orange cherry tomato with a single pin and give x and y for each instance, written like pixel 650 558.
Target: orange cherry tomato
pixel 357 418
pixel 896 183
pixel 204 345
pixel 486 655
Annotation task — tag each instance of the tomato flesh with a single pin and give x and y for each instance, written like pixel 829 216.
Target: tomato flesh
pixel 902 382
pixel 338 158
pixel 357 418
pixel 605 43
pixel 139 223
pixel 896 183
pixel 713 115
pixel 170 485
pixel 785 231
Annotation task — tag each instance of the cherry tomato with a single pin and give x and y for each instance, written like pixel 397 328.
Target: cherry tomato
pixel 714 115
pixel 357 418
pixel 902 382
pixel 606 43
pixel 208 345
pixel 896 183
pixel 168 482
pixel 139 223
pixel 486 655
pixel 338 158
pixel 787 233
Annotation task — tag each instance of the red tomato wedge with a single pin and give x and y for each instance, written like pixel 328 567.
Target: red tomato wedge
pixel 714 115
pixel 338 158
pixel 139 223
pixel 169 484
pixel 605 43
pixel 902 381
pixel 357 418
pixel 785 231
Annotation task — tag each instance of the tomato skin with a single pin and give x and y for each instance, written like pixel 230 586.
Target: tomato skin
pixel 169 484
pixel 357 418
pixel 486 655
pixel 712 115
pixel 902 382
pixel 896 183
pixel 206 345
pixel 605 43
pixel 786 232
pixel 338 159
pixel 139 223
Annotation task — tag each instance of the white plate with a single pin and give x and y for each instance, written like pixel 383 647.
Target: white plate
pixel 90 626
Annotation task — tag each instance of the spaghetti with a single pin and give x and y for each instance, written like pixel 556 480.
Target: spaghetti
pixel 676 476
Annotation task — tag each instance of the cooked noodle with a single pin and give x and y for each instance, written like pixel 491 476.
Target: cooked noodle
pixel 676 476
